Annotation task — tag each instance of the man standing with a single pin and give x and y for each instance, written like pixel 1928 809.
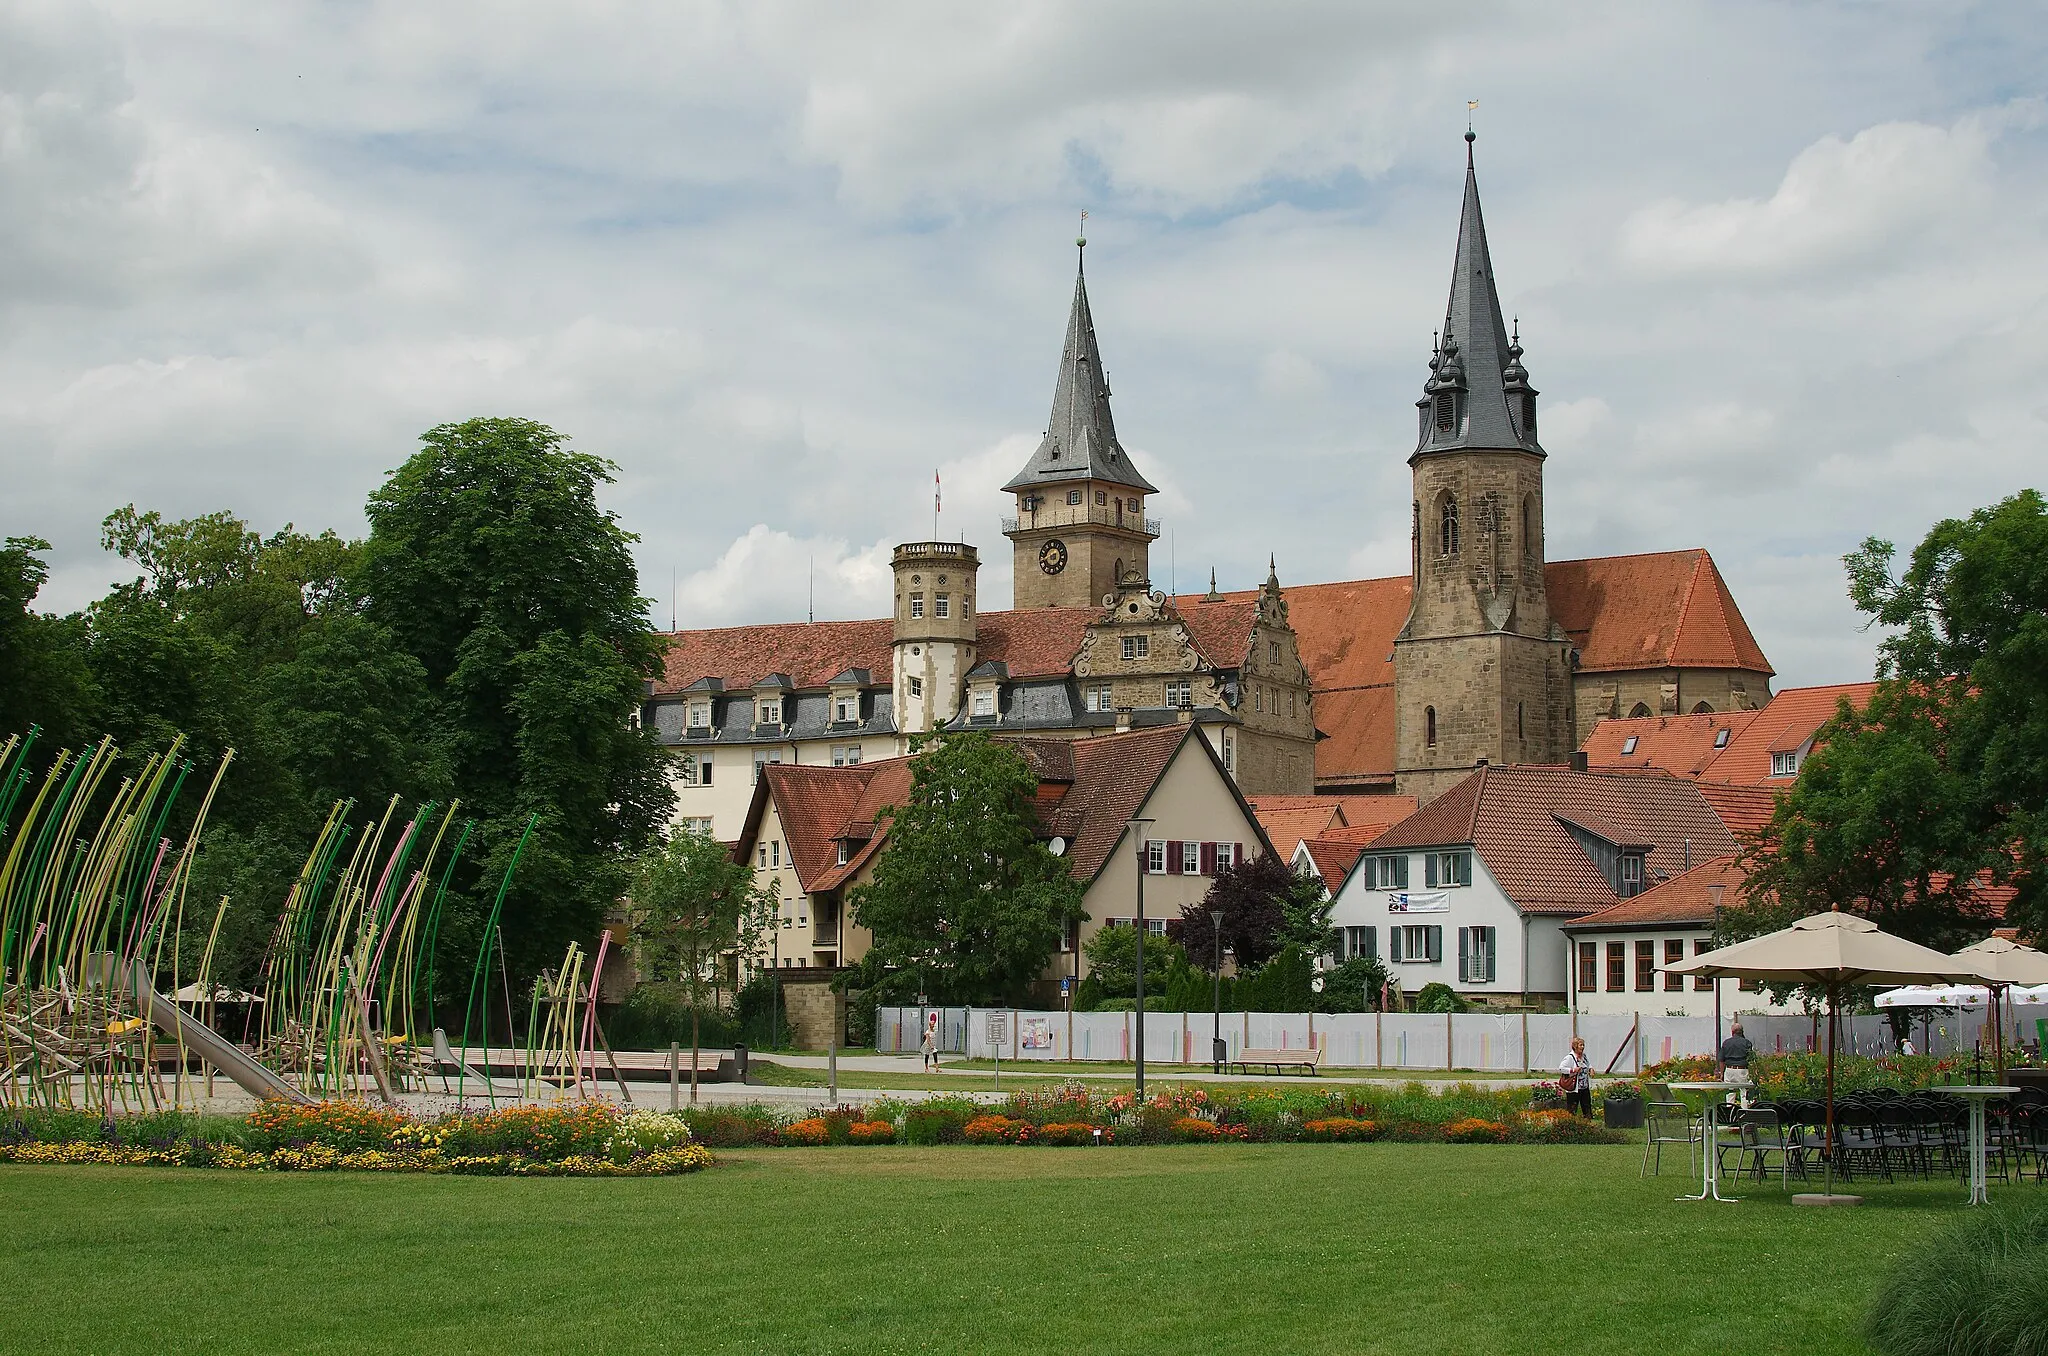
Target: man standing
pixel 1735 1053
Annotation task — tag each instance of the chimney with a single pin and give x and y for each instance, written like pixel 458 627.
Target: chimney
pixel 1579 760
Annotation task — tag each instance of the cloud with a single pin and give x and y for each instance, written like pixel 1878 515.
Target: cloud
pixel 1289 376
pixel 1839 202
pixel 770 575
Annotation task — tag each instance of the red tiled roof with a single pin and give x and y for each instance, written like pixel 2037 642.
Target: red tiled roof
pixel 1687 898
pixel 813 804
pixel 1333 860
pixel 1113 774
pixel 1685 744
pixel 1288 820
pixel 1288 827
pixel 1665 610
pixel 1515 818
pixel 1744 809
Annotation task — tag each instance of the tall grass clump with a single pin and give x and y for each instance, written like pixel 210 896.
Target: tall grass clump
pixel 1979 1289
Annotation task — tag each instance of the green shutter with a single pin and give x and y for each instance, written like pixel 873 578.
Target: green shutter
pixel 1429 870
pixel 1436 944
pixel 1394 942
pixel 1464 955
pixel 1401 872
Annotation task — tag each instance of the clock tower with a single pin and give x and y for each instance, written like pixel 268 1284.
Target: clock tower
pixel 1080 529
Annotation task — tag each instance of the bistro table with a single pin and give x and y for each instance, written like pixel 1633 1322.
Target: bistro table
pixel 1710 1147
pixel 1977 1095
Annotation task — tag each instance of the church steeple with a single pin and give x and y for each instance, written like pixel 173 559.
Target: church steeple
pixel 1466 401
pixel 1080 536
pixel 1080 437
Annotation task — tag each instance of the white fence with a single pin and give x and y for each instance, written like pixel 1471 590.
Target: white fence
pixel 1491 1042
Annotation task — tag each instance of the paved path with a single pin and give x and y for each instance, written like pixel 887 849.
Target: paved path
pixel 911 1066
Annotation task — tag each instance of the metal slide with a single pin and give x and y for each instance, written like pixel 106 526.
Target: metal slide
pixel 222 1054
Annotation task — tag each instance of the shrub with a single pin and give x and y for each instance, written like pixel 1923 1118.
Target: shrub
pixel 1195 1130
pixel 938 1120
pixel 1976 1289
pixel 1437 996
pixel 871 1132
pixel 1339 1129
pixel 809 1132
pixel 732 1127
pixel 644 1133
pixel 1067 1133
pixel 539 1132
pixel 995 1130
pixel 1473 1130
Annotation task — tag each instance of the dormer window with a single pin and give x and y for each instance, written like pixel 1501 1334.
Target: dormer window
pixel 846 708
pixel 1631 874
pixel 1628 746
pixel 1785 764
pixel 1529 415
pixel 984 701
pixel 844 852
pixel 700 715
pixel 1721 737
pixel 1446 411
pixel 768 712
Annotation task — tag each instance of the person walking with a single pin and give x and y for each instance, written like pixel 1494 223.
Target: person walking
pixel 929 1047
pixel 1735 1053
pixel 1575 1080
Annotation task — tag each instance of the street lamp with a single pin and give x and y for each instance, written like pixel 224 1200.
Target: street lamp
pixel 1137 828
pixel 1216 1039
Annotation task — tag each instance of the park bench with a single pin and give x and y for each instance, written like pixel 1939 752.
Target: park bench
pixel 1308 1058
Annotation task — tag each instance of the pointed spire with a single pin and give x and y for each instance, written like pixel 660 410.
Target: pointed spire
pixel 1080 438
pixel 1212 596
pixel 1469 369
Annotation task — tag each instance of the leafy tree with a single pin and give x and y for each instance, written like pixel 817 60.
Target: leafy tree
pixel 1284 983
pixel 1353 986
pixel 44 677
pixel 1945 775
pixel 691 904
pixel 1305 916
pixel 1249 896
pixel 490 563
pixel 1112 955
pixel 965 896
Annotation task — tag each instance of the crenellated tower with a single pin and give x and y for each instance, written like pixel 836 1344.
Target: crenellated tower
pixel 1080 532
pixel 1481 670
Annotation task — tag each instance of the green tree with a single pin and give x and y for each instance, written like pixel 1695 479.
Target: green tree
pixel 1284 983
pixel 491 563
pixel 690 906
pixel 1249 896
pixel 44 677
pixel 1353 986
pixel 1305 917
pixel 1945 774
pixel 966 897
pixel 1112 955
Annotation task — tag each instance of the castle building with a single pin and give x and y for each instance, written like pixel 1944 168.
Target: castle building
pixel 1487 652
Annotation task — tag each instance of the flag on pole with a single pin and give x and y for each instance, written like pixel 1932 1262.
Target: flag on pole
pixel 935 492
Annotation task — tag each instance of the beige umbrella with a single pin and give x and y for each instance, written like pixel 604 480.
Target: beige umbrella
pixel 1831 952
pixel 2002 963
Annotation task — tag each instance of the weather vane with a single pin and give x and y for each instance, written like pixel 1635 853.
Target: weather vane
pixel 1082 238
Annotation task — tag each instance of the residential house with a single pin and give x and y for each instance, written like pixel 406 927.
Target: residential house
pixel 1741 748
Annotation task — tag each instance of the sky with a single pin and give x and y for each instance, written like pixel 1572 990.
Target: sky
pixel 1780 271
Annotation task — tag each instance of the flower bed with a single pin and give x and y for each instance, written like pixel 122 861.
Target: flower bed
pixel 592 1140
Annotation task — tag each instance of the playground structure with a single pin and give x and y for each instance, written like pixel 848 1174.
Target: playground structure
pixel 96 927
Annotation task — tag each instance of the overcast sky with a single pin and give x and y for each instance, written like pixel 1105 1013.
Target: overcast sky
pixel 1780 270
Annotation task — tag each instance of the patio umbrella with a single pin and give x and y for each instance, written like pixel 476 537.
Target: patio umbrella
pixel 1832 952
pixel 1935 996
pixel 2003 963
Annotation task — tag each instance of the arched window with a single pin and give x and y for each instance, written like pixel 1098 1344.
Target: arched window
pixel 1429 726
pixel 1638 711
pixel 1704 709
pixel 1447 525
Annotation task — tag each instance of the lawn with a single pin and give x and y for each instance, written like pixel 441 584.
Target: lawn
pixel 1271 1249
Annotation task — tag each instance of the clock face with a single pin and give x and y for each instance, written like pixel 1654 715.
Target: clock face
pixel 1052 557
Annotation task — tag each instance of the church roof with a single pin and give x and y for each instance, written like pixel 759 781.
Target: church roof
pixel 1080 437
pixel 1475 341
pixel 1666 610
pixel 1685 744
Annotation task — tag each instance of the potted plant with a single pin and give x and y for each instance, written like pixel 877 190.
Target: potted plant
pixel 1621 1107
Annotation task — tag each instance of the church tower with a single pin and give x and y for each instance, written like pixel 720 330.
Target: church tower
pixel 1080 529
pixel 1482 673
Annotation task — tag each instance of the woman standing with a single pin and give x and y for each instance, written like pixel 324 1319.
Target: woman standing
pixel 929 1047
pixel 1575 1080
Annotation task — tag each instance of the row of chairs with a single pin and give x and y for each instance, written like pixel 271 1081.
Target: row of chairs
pixel 1881 1137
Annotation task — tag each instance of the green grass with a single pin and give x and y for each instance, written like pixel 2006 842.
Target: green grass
pixel 1297 1249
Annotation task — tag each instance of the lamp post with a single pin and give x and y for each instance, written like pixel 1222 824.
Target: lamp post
pixel 1137 829
pixel 1216 1038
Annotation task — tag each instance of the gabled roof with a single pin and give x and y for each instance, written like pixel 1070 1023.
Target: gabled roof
pixel 1666 609
pixel 1687 899
pixel 1332 859
pixel 1221 631
pixel 1685 744
pixel 1516 819
pixel 1080 437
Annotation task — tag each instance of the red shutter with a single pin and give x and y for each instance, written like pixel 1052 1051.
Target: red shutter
pixel 1237 854
pixel 1145 861
pixel 1208 859
pixel 1173 856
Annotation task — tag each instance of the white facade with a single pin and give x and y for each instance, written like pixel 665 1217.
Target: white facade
pixel 1506 954
pixel 1612 978
pixel 725 799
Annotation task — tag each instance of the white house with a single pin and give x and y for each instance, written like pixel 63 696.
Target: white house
pixel 1474 889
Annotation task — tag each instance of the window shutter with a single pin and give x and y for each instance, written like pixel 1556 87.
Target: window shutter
pixel 1372 941
pixel 1401 872
pixel 1208 859
pixel 1464 868
pixel 1393 943
pixel 1489 976
pixel 1173 857
pixel 1464 955
pixel 1237 854
pixel 1429 870
pixel 1436 944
